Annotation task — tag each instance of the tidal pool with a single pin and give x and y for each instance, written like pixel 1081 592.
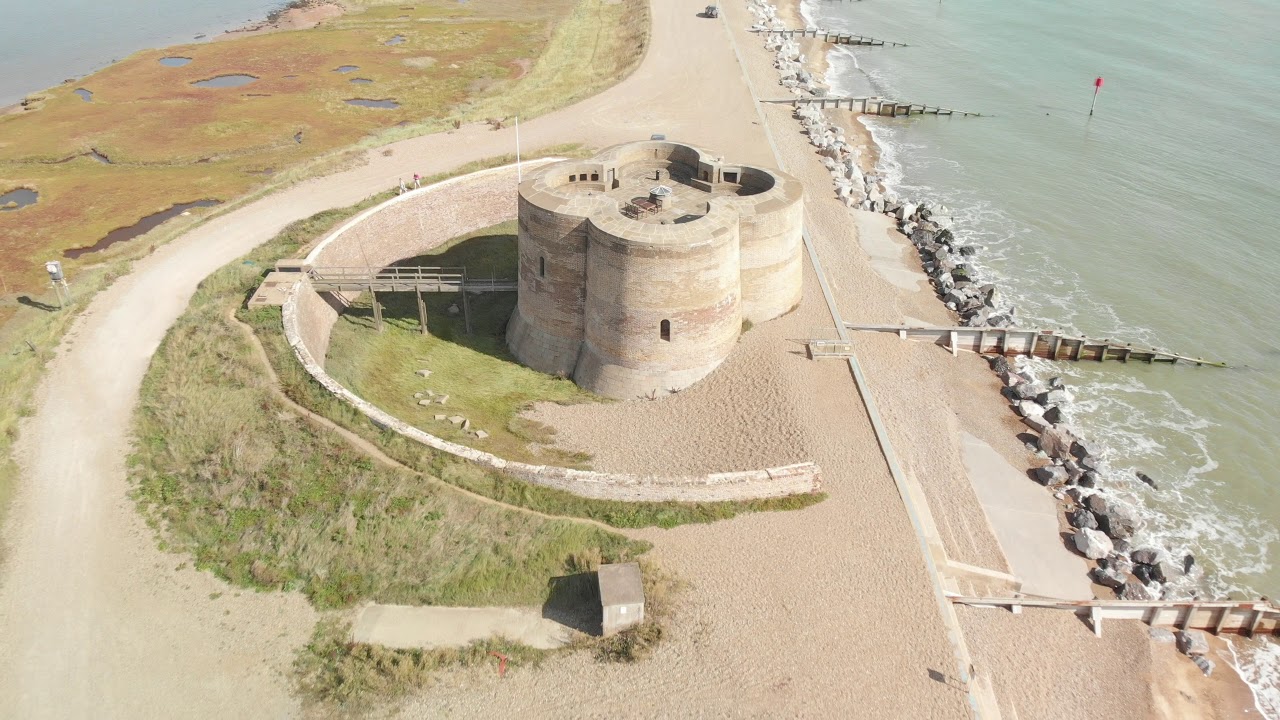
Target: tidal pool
pixel 18 199
pixel 225 81
pixel 136 229
pixel 174 61
pixel 385 104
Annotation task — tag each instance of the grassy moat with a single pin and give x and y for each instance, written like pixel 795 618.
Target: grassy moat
pixel 482 381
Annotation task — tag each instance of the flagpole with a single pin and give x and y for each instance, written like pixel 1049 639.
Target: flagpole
pixel 519 175
pixel 1097 87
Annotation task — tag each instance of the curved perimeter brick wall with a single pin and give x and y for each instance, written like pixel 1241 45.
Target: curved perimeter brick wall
pixel 391 231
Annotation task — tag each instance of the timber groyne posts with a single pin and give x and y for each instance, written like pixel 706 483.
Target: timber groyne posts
pixel 1032 342
pixel 1248 618
pixel 875 106
pixel 835 38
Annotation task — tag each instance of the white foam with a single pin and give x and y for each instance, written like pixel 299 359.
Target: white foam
pixel 1132 427
pixel 1257 662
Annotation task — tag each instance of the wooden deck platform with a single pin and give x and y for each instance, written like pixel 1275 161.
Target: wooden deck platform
pixel 1032 342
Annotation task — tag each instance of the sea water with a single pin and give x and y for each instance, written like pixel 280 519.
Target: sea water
pixel 44 43
pixel 1150 222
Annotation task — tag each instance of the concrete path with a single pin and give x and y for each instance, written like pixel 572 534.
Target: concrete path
pixel 403 626
pixel 1025 520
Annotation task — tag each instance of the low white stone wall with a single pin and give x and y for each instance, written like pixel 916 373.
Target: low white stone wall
pixel 477 201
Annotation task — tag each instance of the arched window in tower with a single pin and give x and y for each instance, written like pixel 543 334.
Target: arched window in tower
pixel 664 330
pixel 542 266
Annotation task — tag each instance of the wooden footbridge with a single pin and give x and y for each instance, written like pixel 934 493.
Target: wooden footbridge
pixel 835 38
pixel 875 106
pixel 403 279
pixel 1047 344
pixel 1249 618
pixel 417 280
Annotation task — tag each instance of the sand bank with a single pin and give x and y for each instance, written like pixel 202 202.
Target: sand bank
pixel 299 15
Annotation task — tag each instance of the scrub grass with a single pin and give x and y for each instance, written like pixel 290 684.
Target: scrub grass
pixel 338 677
pixel 264 499
pixel 482 381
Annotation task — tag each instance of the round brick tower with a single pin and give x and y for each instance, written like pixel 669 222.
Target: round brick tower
pixel 634 291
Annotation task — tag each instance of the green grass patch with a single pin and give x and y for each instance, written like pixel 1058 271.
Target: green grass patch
pixel 475 371
pixel 334 673
pixel 264 499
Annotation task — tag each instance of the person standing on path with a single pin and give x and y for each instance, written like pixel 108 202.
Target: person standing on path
pixel 417 180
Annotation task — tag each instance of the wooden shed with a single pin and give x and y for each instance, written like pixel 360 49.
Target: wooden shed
pixel 621 597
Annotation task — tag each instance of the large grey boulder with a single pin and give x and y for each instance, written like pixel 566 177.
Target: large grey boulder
pixel 1056 442
pixel 1119 522
pixel 1146 555
pixel 1192 642
pixel 1134 590
pixel 1108 577
pixel 1051 475
pixel 1092 544
pixel 1027 408
pixel 1096 503
pixel 1166 571
pixel 1025 391
pixel 1036 423
pixel 1082 519
pixel 922 236
pixel 1054 396
pixel 1204 663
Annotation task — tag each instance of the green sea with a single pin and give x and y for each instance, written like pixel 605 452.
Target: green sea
pixel 1149 222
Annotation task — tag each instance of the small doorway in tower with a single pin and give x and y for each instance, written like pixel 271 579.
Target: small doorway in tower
pixel 664 330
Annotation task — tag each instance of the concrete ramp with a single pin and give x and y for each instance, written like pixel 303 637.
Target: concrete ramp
pixel 1025 520
pixel 409 627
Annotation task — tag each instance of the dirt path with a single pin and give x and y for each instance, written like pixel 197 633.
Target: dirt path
pixel 96 621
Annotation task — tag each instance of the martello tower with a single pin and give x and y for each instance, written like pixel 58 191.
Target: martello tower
pixel 638 266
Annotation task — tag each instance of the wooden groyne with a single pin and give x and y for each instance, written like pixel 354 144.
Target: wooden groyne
pixel 1047 344
pixel 1249 618
pixel 875 106
pixel 835 38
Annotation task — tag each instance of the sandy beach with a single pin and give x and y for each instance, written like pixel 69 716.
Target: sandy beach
pixel 299 15
pixel 825 612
